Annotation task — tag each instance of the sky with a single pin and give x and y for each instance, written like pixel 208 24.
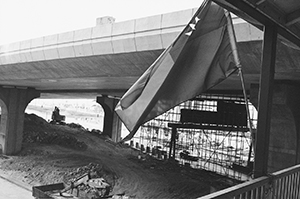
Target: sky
pixel 26 19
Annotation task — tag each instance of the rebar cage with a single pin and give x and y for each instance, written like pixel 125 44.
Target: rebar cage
pixel 220 144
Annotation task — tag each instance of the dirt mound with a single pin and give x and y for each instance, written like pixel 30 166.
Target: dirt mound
pixel 59 153
pixel 54 138
pixel 38 130
pixel 31 119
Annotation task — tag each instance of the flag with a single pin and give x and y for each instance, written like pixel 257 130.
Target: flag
pixel 199 58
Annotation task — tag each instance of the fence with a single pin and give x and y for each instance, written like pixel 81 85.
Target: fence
pixel 227 152
pixel 284 184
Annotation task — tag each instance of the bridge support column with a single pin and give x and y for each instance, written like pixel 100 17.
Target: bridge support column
pixel 284 141
pixel 112 124
pixel 13 102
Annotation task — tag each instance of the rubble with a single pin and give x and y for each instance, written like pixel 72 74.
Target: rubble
pixel 99 183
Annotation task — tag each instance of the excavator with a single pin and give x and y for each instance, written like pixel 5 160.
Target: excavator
pixel 56 117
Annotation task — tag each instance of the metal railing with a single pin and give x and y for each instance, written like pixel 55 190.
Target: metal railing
pixel 284 184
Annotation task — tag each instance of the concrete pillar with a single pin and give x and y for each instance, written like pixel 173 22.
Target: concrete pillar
pixel 284 142
pixel 112 124
pixel 13 103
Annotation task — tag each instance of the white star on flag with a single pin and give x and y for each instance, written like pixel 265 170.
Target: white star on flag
pixel 192 26
pixel 189 33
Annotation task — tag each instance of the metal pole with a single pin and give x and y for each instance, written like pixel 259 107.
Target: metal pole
pixel 172 142
pixel 265 101
pixel 238 64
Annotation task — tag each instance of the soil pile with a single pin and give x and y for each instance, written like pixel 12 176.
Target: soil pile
pixel 37 130
pixel 59 153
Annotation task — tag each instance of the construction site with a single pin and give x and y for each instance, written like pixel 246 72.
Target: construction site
pixel 195 103
pixel 68 157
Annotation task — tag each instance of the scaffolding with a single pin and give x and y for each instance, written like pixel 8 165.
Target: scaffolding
pixel 220 143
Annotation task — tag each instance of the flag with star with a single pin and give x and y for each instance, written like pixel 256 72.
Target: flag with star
pixel 199 58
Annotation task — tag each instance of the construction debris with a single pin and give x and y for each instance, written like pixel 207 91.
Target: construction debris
pixel 97 187
pixel 89 181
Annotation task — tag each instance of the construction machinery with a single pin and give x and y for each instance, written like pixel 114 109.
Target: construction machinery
pixel 57 118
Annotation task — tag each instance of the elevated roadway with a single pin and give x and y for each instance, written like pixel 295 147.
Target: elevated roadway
pixel 108 58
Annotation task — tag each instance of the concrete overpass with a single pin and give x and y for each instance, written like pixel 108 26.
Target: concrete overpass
pixel 105 59
pixel 108 58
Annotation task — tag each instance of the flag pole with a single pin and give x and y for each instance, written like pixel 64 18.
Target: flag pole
pixel 239 66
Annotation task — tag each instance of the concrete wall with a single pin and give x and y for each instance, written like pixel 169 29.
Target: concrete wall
pixel 285 125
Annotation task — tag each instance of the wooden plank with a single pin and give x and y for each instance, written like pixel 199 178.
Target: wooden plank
pixel 265 101
pixel 282 188
pixel 297 194
pixel 293 181
pixel 276 188
pixel 262 192
pixel 296 185
pixel 286 185
pixel 289 186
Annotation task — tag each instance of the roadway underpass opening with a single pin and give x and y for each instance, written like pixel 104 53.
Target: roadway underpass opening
pixel 86 112
pixel 211 134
